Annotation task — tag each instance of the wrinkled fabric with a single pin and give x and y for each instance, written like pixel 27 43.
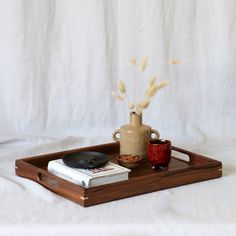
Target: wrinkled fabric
pixel 204 208
pixel 59 62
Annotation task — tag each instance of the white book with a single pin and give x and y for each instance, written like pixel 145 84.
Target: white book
pixel 110 173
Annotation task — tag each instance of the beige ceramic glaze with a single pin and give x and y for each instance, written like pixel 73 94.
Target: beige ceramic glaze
pixel 134 136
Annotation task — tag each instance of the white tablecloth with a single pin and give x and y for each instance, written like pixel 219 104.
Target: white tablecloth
pixel 205 208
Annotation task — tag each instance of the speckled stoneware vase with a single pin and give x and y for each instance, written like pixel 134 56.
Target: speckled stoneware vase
pixel 134 136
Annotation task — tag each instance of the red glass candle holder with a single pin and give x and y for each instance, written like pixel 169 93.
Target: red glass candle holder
pixel 159 153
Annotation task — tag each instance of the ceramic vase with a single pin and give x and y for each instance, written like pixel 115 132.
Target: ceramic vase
pixel 134 136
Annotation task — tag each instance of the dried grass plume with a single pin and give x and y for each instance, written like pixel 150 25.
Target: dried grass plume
pixel 153 86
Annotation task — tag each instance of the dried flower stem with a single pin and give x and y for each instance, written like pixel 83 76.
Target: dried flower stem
pixel 117 96
pixel 121 86
pixel 143 64
pixel 153 87
pixel 174 61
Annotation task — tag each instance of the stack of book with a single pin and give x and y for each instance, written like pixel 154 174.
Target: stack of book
pixel 110 173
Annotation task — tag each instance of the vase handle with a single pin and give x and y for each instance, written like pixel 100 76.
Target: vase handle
pixel 114 137
pixel 153 131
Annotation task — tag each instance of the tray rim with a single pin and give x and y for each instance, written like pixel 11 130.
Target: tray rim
pixel 25 163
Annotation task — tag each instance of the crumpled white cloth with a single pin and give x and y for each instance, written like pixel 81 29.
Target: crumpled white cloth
pixel 59 62
pixel 204 208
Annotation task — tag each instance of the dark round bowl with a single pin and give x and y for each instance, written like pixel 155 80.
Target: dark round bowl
pixel 85 160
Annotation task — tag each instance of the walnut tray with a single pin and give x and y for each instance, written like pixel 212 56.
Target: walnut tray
pixel 141 180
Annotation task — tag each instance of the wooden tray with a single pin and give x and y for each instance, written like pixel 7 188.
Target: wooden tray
pixel 141 180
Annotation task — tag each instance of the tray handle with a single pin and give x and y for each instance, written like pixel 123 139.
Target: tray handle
pixel 157 135
pixel 60 187
pixel 194 157
pixel 48 181
pixel 40 176
pixel 114 137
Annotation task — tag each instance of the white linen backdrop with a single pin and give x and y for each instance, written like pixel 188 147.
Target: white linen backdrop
pixel 59 62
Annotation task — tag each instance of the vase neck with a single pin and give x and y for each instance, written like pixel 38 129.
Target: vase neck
pixel 135 119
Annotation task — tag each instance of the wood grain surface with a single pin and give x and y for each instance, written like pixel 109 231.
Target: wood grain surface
pixel 141 180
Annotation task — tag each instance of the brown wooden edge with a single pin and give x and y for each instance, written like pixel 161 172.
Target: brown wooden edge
pixel 25 168
pixel 143 185
pixel 193 157
pixel 51 182
pixel 85 197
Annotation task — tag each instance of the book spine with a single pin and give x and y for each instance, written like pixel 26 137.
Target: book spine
pixel 68 174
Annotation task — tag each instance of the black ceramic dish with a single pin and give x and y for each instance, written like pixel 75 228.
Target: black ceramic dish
pixel 85 160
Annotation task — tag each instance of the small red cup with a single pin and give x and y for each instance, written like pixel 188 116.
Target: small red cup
pixel 159 153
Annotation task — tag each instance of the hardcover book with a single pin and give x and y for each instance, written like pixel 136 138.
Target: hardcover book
pixel 110 173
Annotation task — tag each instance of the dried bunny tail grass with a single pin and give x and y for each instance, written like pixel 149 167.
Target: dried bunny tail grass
pixel 121 86
pixel 144 63
pixel 138 110
pixel 131 106
pixel 133 61
pixel 144 103
pixel 174 61
pixel 151 91
pixel 152 81
pixel 117 96
pixel 163 83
